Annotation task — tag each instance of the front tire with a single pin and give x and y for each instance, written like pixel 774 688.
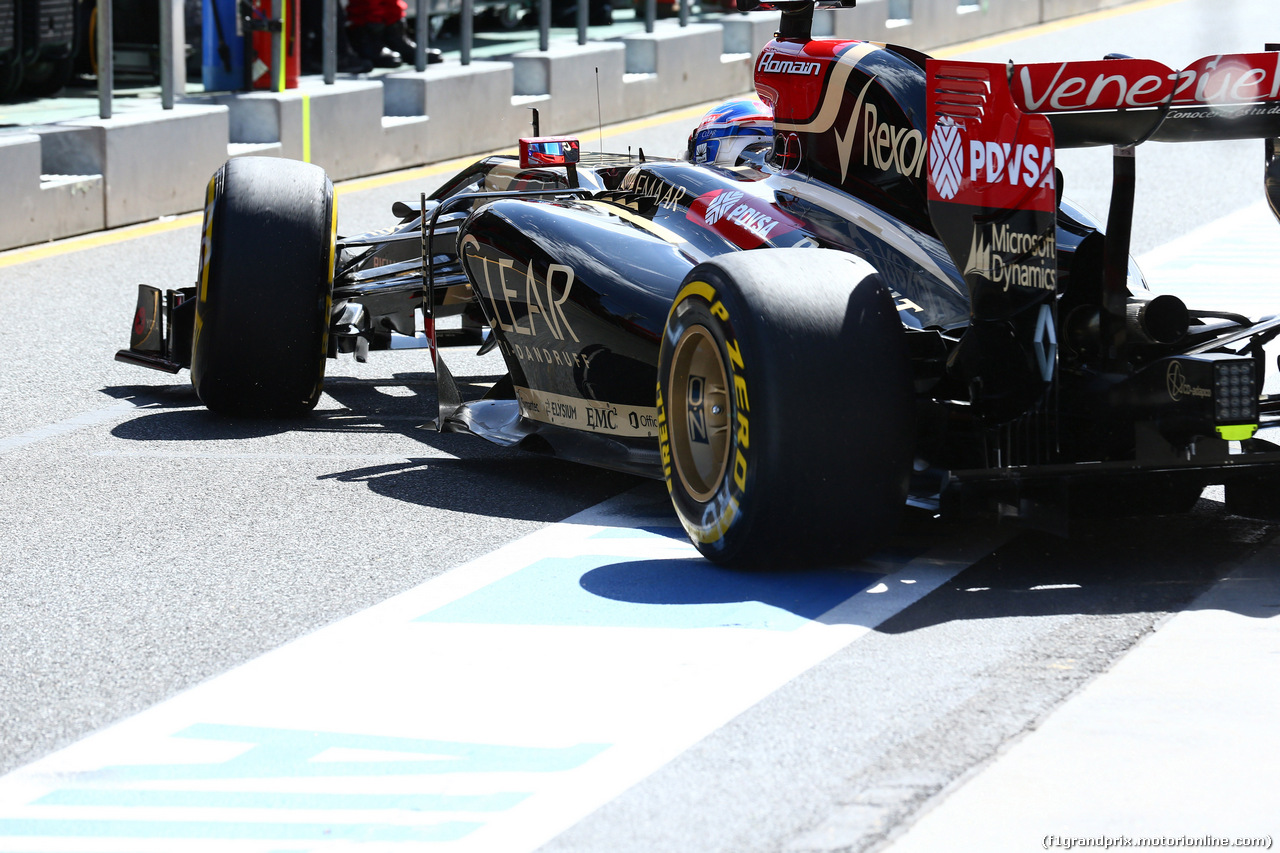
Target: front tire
pixel 785 405
pixel 265 288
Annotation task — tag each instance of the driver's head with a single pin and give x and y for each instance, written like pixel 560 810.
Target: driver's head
pixel 729 128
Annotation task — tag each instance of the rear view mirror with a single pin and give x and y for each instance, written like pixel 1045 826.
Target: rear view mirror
pixel 548 151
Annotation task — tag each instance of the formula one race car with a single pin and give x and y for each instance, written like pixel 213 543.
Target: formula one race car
pixel 894 306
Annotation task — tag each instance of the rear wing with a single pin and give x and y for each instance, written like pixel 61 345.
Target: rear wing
pixel 1125 101
pixel 1117 101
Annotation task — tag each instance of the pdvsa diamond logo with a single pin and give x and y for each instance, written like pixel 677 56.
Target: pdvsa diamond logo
pixel 946 158
pixel 721 205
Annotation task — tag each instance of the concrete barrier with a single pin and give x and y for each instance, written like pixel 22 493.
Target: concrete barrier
pixel 678 66
pixel 471 108
pixel 935 24
pixel 1052 10
pixel 583 85
pixel 38 204
pixel 79 176
pixel 148 163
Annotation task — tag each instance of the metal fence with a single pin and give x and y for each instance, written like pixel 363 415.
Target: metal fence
pixel 424 12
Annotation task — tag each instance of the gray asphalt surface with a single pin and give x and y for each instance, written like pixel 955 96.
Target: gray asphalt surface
pixel 150 546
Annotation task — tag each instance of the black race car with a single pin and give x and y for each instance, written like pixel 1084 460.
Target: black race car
pixel 893 306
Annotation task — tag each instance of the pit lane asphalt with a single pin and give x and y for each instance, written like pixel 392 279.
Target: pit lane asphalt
pixel 160 545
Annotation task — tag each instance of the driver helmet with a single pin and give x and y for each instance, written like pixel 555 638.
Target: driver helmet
pixel 729 128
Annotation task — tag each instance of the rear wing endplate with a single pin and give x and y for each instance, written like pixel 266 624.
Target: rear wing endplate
pixel 992 197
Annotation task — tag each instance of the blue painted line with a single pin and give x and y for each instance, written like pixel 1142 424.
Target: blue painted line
pixel 603 591
pixel 287 753
pixel 233 830
pixel 138 798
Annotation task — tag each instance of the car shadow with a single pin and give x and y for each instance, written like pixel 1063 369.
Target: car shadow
pixel 177 396
pixel 1155 564
pixel 400 404
pixel 692 581
pixel 491 481
pixel 1106 566
pixel 1119 566
pixel 458 473
pixel 686 580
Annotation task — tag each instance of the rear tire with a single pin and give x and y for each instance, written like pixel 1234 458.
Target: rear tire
pixel 265 287
pixel 786 410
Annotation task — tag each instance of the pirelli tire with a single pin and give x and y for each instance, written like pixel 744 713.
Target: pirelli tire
pixel 265 288
pixel 785 408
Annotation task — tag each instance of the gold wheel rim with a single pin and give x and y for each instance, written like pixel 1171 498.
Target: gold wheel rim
pixel 699 404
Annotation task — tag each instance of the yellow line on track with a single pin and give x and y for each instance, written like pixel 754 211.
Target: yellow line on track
pixel 98 239
pixel 68 245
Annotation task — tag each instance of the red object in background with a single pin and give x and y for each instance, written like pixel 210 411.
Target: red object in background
pixel 361 13
pixel 265 67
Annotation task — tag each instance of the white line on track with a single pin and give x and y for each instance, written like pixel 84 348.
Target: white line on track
pixel 488 709
pixel 68 425
pixel 1170 743
pixel 117 411
pixel 1228 264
